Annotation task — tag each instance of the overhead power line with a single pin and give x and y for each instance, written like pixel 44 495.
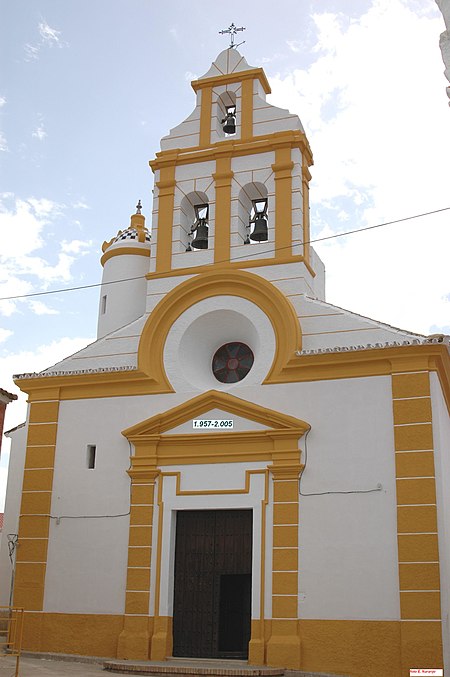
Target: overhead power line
pixel 266 251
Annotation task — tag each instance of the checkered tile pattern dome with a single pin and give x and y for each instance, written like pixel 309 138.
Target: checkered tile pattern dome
pixel 131 234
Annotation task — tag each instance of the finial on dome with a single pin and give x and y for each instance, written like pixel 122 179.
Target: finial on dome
pixel 232 30
pixel 138 207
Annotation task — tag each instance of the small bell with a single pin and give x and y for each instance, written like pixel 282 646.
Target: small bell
pixel 259 218
pixel 229 122
pixel 259 233
pixel 201 237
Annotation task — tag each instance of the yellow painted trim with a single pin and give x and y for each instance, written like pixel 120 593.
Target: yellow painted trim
pixel 222 233
pixel 412 411
pixel 172 418
pixel 283 200
pixel 285 492
pixel 416 518
pixel 42 434
pixel 410 385
pixel 236 148
pixel 306 177
pixel 423 574
pixel 418 548
pixel 205 116
pixel 300 369
pixel 44 412
pixel 159 546
pixel 156 447
pixel 162 638
pixel 420 605
pixel 166 196
pixel 415 464
pixel 125 251
pixel 247 110
pixel 239 283
pixel 284 259
pixel 213 492
pixel 38 479
pixel 413 436
pixel 133 641
pixel 229 78
pixel 40 457
pixel 416 491
pixel 137 602
pixel 351 647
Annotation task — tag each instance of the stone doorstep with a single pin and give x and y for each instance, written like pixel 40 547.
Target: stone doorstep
pixel 216 668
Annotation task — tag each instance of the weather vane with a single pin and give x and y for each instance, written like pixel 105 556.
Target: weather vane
pixel 232 30
pixel 138 207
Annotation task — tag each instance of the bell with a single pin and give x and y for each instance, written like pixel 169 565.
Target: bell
pixel 230 124
pixel 260 230
pixel 201 237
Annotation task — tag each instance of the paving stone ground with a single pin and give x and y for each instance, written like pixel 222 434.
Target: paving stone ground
pixel 45 667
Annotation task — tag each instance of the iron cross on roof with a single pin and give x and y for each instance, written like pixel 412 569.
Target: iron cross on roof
pixel 232 30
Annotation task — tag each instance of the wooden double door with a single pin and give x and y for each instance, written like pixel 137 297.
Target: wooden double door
pixel 212 588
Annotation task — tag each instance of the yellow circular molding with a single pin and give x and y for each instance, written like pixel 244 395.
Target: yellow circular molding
pixel 119 251
pixel 225 282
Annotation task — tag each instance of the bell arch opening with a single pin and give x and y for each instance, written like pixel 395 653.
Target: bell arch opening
pixel 194 210
pixel 226 114
pixel 251 197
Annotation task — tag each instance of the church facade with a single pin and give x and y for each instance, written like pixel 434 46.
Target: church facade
pixel 235 468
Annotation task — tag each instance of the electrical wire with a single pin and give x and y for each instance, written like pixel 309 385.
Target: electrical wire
pixel 325 493
pixel 245 256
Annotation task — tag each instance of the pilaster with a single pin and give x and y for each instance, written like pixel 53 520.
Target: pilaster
pixel 418 553
pixel 134 640
pixel 34 522
pixel 283 647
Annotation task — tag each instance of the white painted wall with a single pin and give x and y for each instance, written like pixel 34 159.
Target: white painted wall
pixel 441 438
pixel 348 550
pixel 125 301
pixel 12 508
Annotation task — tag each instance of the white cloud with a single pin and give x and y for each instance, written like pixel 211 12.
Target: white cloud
pixel 25 231
pixel 294 45
pixel 49 35
pixel 79 204
pixel 40 308
pixel 2 101
pixel 39 132
pixel 76 246
pixel 5 334
pixel 31 52
pixel 367 103
pixel 189 76
pixel 3 143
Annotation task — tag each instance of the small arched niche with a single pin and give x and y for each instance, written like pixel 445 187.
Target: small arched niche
pixel 193 206
pixel 226 112
pixel 252 197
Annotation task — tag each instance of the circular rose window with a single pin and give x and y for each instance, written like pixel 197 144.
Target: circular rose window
pixel 232 362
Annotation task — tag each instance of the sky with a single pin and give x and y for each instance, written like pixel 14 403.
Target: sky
pixel 87 89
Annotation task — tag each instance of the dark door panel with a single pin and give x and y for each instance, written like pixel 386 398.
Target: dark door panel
pixel 212 589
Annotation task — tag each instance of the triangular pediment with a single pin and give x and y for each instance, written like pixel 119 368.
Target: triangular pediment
pixel 221 405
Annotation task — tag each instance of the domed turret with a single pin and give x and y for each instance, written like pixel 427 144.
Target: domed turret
pixel 125 263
